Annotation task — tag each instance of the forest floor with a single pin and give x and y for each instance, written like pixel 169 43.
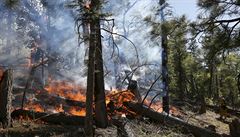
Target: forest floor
pixel 138 127
pixel 142 127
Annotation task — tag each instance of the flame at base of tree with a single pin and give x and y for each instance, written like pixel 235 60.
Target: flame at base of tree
pixel 114 100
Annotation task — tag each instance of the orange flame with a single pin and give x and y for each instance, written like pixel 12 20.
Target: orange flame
pixel 77 111
pixel 66 90
pixel 75 92
pixel 35 107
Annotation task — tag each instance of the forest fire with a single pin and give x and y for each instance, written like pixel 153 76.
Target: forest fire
pixel 69 91
pixel 77 111
pixel 35 107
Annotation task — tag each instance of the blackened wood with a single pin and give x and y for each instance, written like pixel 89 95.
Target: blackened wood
pixel 234 127
pixel 6 87
pixel 144 111
pixel 165 77
pixel 229 110
pixel 133 87
pixel 30 78
pixel 90 83
pixel 57 118
pixel 123 128
pixel 99 91
pixel 203 107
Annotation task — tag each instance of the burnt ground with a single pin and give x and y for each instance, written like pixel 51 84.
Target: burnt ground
pixel 28 128
pixel 143 128
pixel 139 127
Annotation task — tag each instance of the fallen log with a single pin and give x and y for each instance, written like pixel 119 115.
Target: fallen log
pixel 53 100
pixel 160 117
pixel 44 98
pixel 229 110
pixel 55 118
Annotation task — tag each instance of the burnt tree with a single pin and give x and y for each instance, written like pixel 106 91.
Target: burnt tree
pixel 99 91
pixel 95 80
pixel 99 94
pixel 6 87
pixel 90 86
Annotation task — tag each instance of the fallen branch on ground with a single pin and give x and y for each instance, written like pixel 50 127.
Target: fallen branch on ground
pixel 58 118
pixel 159 117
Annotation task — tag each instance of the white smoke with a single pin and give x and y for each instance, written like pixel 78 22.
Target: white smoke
pixel 64 41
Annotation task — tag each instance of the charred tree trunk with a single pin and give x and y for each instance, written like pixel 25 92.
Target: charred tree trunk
pixel 6 88
pixel 203 107
pixel 99 94
pixel 95 80
pixel 133 87
pixel 165 99
pixel 99 91
pixel 90 85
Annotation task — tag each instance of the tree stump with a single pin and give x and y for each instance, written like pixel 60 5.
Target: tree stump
pixel 6 87
pixel 235 128
pixel 133 87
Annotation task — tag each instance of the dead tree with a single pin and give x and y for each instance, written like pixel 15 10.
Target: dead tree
pixel 133 86
pixel 6 87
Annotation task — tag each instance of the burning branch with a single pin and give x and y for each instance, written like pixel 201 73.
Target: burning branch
pixel 29 79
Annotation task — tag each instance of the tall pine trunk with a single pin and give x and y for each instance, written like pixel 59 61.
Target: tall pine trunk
pixel 95 80
pixel 6 87
pixel 165 99
pixel 99 94
pixel 90 86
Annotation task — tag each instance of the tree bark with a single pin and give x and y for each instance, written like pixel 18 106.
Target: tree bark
pixel 6 88
pixel 95 80
pixel 165 79
pixel 99 91
pixel 203 107
pixel 90 85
